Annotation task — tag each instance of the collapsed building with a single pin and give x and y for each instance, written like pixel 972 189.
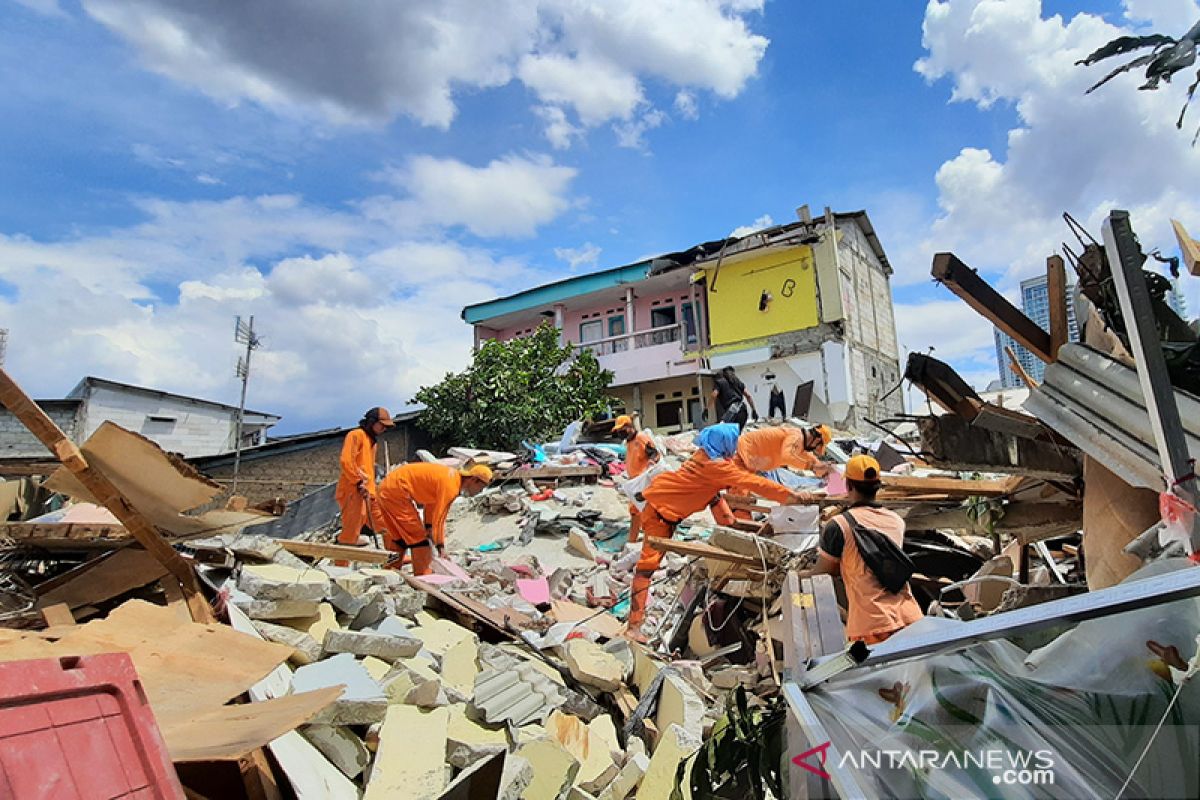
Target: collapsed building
pixel 257 658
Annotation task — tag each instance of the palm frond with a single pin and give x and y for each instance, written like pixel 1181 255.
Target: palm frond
pixel 1137 62
pixel 1126 44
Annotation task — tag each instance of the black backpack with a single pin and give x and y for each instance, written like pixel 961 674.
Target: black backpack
pixel 890 564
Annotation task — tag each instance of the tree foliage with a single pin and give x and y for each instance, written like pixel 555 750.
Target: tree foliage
pixel 525 389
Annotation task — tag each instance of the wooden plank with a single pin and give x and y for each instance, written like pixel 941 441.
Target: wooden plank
pixel 1056 287
pixel 701 550
pixel 975 292
pixel 40 425
pixel 955 487
pixel 82 532
pixel 1015 365
pixel 549 473
pixel 175 599
pixel 58 614
pixel 1188 246
pixel 339 551
pixel 127 569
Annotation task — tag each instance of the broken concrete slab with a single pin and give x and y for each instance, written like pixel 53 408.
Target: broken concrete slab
pixel 316 623
pixel 596 765
pixel 377 667
pixel 645 667
pixel 675 744
pixel 467 741
pixel 377 607
pixel 481 779
pixel 362 703
pixel 277 582
pixel 554 769
pixel 382 577
pixel 680 704
pixel 367 643
pixel 413 681
pixel 345 602
pixel 628 779
pixel 412 753
pixel 592 666
pixel 307 649
pixel 354 583
pixel 407 601
pixel 581 543
pixel 280 610
pixel 620 648
pixel 518 774
pixel 343 749
pixel 457 650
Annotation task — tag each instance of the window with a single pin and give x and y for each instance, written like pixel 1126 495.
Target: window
pixel 591 331
pixel 662 316
pixel 616 325
pixel 689 324
pixel 669 414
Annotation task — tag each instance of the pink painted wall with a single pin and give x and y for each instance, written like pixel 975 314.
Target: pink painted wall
pixel 643 305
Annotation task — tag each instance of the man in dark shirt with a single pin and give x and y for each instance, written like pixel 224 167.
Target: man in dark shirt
pixel 731 398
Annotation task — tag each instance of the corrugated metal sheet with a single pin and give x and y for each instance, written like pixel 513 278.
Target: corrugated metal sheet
pixel 520 693
pixel 1095 402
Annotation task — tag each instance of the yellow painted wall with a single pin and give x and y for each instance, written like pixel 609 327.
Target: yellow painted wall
pixel 788 275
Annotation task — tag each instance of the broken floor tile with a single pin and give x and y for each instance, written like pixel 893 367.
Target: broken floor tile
pixel 457 650
pixel 307 649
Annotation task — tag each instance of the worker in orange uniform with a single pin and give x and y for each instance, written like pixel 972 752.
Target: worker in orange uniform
pixel 875 613
pixel 640 453
pixel 673 496
pixel 356 485
pixel 765 449
pixel 433 487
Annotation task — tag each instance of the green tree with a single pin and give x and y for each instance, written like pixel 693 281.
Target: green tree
pixel 526 389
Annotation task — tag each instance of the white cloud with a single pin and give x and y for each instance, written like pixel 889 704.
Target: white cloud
pixel 509 196
pixel 764 221
pixel 1070 151
pixel 559 131
pixel 632 134
pixel 47 7
pixel 586 255
pixel 686 106
pixel 208 180
pixel 333 295
pixel 372 61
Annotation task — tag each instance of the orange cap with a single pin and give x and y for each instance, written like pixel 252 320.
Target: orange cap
pixel 863 469
pixel 623 421
pixel 826 437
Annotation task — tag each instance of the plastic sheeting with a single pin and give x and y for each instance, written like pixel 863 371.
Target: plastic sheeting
pixel 1074 714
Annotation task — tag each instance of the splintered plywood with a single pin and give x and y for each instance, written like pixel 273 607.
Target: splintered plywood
pixel 227 733
pixel 159 485
pixel 411 759
pixel 122 571
pixel 1114 514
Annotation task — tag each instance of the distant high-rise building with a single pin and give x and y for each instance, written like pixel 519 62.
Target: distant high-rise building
pixel 1035 302
pixel 1176 301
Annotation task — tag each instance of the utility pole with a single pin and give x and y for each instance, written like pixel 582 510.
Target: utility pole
pixel 243 334
pixel 3 345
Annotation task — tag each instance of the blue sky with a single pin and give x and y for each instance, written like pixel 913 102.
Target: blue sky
pixel 353 177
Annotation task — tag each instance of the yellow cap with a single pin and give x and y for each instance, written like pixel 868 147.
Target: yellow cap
pixel 623 421
pixel 863 469
pixel 479 471
pixel 826 437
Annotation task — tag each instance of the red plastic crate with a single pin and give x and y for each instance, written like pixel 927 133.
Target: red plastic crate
pixel 80 728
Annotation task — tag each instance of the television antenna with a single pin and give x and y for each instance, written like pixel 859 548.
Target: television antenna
pixel 243 334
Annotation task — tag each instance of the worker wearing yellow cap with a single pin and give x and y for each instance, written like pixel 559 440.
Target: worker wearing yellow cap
pixel 433 488
pixel 640 453
pixel 355 493
pixel 875 613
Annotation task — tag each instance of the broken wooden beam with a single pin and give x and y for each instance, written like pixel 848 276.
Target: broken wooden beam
pixel 339 551
pixel 950 442
pixel 702 550
pixel 1056 290
pixel 943 385
pixel 48 433
pixel 1189 247
pixel 979 295
pixel 957 487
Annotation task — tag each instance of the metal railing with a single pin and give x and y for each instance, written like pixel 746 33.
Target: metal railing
pixel 664 334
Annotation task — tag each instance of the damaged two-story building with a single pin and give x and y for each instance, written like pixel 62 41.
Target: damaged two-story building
pixel 805 307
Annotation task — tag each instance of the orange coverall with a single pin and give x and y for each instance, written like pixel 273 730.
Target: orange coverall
pixel 763 450
pixel 674 496
pixel 431 486
pixel 637 461
pixel 358 464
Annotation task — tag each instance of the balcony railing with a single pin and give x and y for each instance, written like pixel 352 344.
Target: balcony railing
pixel 664 334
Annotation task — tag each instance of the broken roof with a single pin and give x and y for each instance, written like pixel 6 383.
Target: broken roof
pixel 81 390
